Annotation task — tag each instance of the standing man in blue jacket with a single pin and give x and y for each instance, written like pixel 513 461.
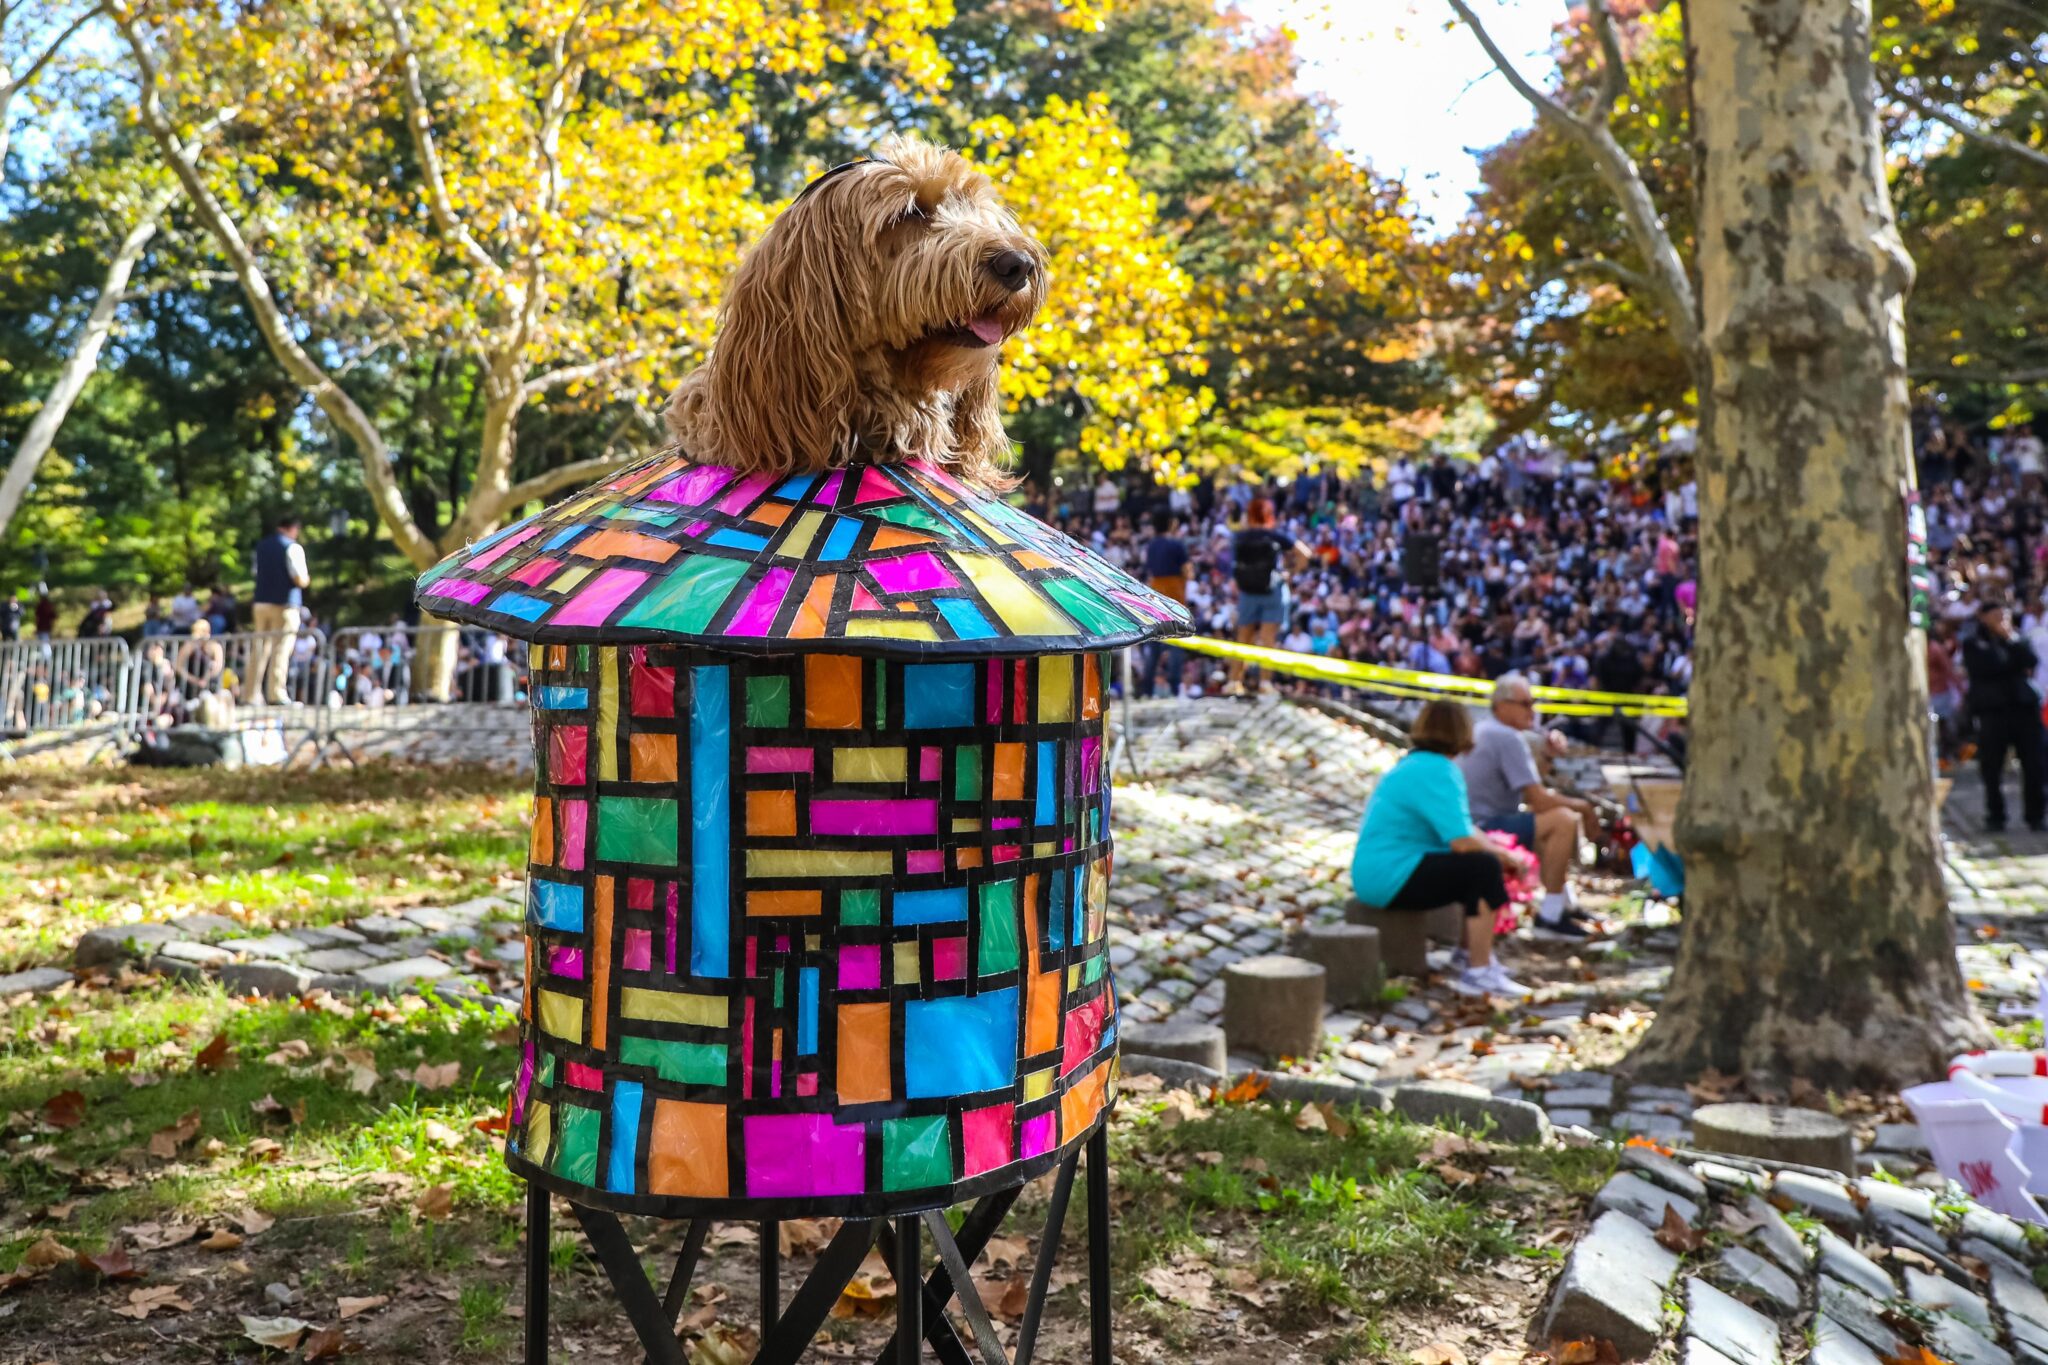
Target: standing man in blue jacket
pixel 281 580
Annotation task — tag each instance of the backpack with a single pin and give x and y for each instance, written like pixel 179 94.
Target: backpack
pixel 1257 555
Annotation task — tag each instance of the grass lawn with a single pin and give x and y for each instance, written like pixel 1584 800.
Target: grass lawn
pixel 179 1164
pixel 273 848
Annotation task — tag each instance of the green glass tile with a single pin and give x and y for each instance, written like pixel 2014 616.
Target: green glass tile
pixel 768 702
pixel 546 1075
pixel 575 1154
pixel 583 658
pixel 778 988
pixel 998 951
pixel 1092 972
pixel 967 773
pixel 685 601
pixel 860 907
pixel 881 694
pixel 1086 605
pixel 636 829
pixel 910 514
pixel 916 1154
pixel 687 1063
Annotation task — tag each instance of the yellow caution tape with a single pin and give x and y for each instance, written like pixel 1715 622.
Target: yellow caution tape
pixel 1407 682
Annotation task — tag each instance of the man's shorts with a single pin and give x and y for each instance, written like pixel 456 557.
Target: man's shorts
pixel 1521 824
pixel 1262 608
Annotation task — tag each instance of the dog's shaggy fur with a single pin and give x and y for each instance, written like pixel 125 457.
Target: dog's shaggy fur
pixel 867 322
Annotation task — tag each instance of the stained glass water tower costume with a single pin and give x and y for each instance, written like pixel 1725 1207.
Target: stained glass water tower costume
pixel 819 866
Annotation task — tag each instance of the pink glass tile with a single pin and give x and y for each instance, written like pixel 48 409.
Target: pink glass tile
pixel 860 966
pixel 920 572
pixel 949 959
pixel 597 599
pixel 772 759
pixel 875 817
pixel 639 955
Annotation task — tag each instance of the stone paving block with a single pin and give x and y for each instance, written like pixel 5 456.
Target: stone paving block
pixel 1903 1199
pixel 1579 1097
pixel 342 959
pixel 1834 1344
pixel 1693 1351
pixel 1663 1127
pixel 1573 1118
pixel 33 981
pixel 1639 1199
pixel 193 952
pixel 1905 1233
pixel 1997 1229
pixel 1825 1199
pixel 1450 1101
pixel 328 936
pixel 403 972
pixel 384 928
pixel 265 978
pixel 1957 1342
pixel 1990 1254
pixel 1775 1237
pixel 1843 1261
pixel 2022 1302
pixel 1731 1179
pixel 1612 1287
pixel 115 943
pixel 205 926
pixel 380 952
pixel 1662 1170
pixel 1756 1281
pixel 1855 1310
pixel 264 946
pixel 1902 1138
pixel 1938 1293
pixel 1731 1327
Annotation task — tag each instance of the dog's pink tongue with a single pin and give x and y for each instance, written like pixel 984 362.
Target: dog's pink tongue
pixel 987 328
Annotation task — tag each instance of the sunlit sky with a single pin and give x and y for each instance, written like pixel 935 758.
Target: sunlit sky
pixel 1411 95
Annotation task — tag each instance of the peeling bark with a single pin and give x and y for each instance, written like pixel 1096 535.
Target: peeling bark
pixel 1817 940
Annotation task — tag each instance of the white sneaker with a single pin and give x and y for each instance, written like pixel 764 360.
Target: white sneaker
pixel 1470 981
pixel 1498 982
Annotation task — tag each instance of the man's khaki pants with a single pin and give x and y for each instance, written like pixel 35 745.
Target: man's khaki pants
pixel 270 653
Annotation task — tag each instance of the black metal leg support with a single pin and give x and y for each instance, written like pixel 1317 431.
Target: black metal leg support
pixel 537 1249
pixel 629 1279
pixel 1098 1247
pixel 909 1292
pixel 771 1276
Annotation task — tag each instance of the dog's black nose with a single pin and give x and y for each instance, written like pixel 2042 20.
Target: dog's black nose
pixel 1012 269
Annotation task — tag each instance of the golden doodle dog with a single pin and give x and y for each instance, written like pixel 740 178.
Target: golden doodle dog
pixel 867 323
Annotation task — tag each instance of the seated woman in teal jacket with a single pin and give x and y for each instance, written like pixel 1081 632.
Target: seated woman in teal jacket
pixel 1417 848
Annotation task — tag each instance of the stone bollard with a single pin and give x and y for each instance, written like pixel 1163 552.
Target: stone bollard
pixel 1405 934
pixel 1274 1005
pixel 1804 1137
pixel 1350 953
pixel 1177 1040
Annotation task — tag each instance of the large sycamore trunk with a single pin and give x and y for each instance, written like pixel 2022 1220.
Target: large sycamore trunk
pixel 1817 941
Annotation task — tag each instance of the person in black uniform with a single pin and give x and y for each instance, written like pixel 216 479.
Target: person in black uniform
pixel 2007 714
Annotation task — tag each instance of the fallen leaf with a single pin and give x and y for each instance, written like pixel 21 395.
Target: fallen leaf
pixel 440 1134
pixel 330 1342
pixel 148 1299
pixel 804 1236
pixel 165 1142
pixel 263 1149
pixel 436 1077
pixel 251 1222
pixel 1651 1144
pixel 1185 1285
pixel 289 1051
pixel 1310 1120
pixel 46 1252
pixel 1252 1085
pixel 1437 1353
pixel 65 1109
pixel 722 1345
pixel 221 1240
pixel 438 1203
pixel 111 1264
pixel 348 1308
pixel 1242 1282
pixel 214 1056
pixel 1676 1235
pixel 118 1056
pixel 869 1294
pixel 1452 1175
pixel 1336 1123
pixel 1914 1355
pixel 496 1123
pixel 283 1333
pixel 157 1236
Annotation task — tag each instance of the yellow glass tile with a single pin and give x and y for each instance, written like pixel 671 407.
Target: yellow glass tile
pixel 813 942
pixel 906 963
pixel 995 534
pixel 608 715
pixel 964 826
pixel 540 1123
pixel 1044 850
pixel 561 1016
pixel 815 862
pixel 1055 688
pixel 897 630
pixel 569 577
pixel 672 1007
pixel 1022 610
pixel 536 657
pixel 871 765
pixel 800 535
pixel 1074 978
pixel 1037 1085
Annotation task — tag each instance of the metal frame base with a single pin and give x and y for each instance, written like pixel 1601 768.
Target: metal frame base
pixel 786 1333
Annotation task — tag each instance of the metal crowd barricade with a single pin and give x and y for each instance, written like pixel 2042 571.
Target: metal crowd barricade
pixel 211 680
pixel 55 691
pixel 380 679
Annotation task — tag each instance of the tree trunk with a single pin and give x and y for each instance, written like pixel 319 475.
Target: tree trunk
pixel 1817 941
pixel 85 356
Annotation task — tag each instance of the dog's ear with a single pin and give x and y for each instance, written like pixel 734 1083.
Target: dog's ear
pixel 981 448
pixel 780 389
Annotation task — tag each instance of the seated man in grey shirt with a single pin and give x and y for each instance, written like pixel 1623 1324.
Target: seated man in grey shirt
pixel 1501 778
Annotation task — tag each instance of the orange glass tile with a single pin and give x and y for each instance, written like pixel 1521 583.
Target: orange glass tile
pixel 1009 772
pixel 654 758
pixel 601 963
pixel 832 687
pixel 616 544
pixel 541 848
pixel 894 537
pixel 768 903
pixel 771 814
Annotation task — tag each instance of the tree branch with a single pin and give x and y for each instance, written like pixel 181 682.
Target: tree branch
pixel 571 374
pixel 553 481
pixel 1984 376
pixel 331 398
pixel 1614 68
pixel 1927 108
pixel 1603 266
pixel 420 124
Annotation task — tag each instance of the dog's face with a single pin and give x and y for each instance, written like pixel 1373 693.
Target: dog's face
pixel 870 318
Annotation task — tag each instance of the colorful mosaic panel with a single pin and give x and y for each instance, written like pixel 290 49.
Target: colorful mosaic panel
pixel 902 558
pixel 812 934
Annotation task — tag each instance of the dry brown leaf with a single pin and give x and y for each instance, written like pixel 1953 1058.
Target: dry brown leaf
pixel 283 1333
pixel 148 1299
pixel 1914 1355
pixel 117 1057
pixel 1677 1235
pixel 1008 1250
pixel 221 1240
pixel 251 1222
pixel 436 1077
pixel 111 1264
pixel 264 1149
pixel 165 1142
pixel 1437 1353
pixel 1310 1120
pixel 1242 1282
pixel 65 1109
pixel 1249 1088
pixel 440 1134
pixel 804 1236
pixel 722 1345
pixel 289 1051
pixel 438 1203
pixel 1187 1285
pixel 869 1294
pixel 214 1056
pixel 157 1236
pixel 1452 1175
pixel 46 1252
pixel 348 1308
pixel 329 1342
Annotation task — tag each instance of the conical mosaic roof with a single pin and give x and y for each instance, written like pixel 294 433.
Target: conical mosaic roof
pixel 901 559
